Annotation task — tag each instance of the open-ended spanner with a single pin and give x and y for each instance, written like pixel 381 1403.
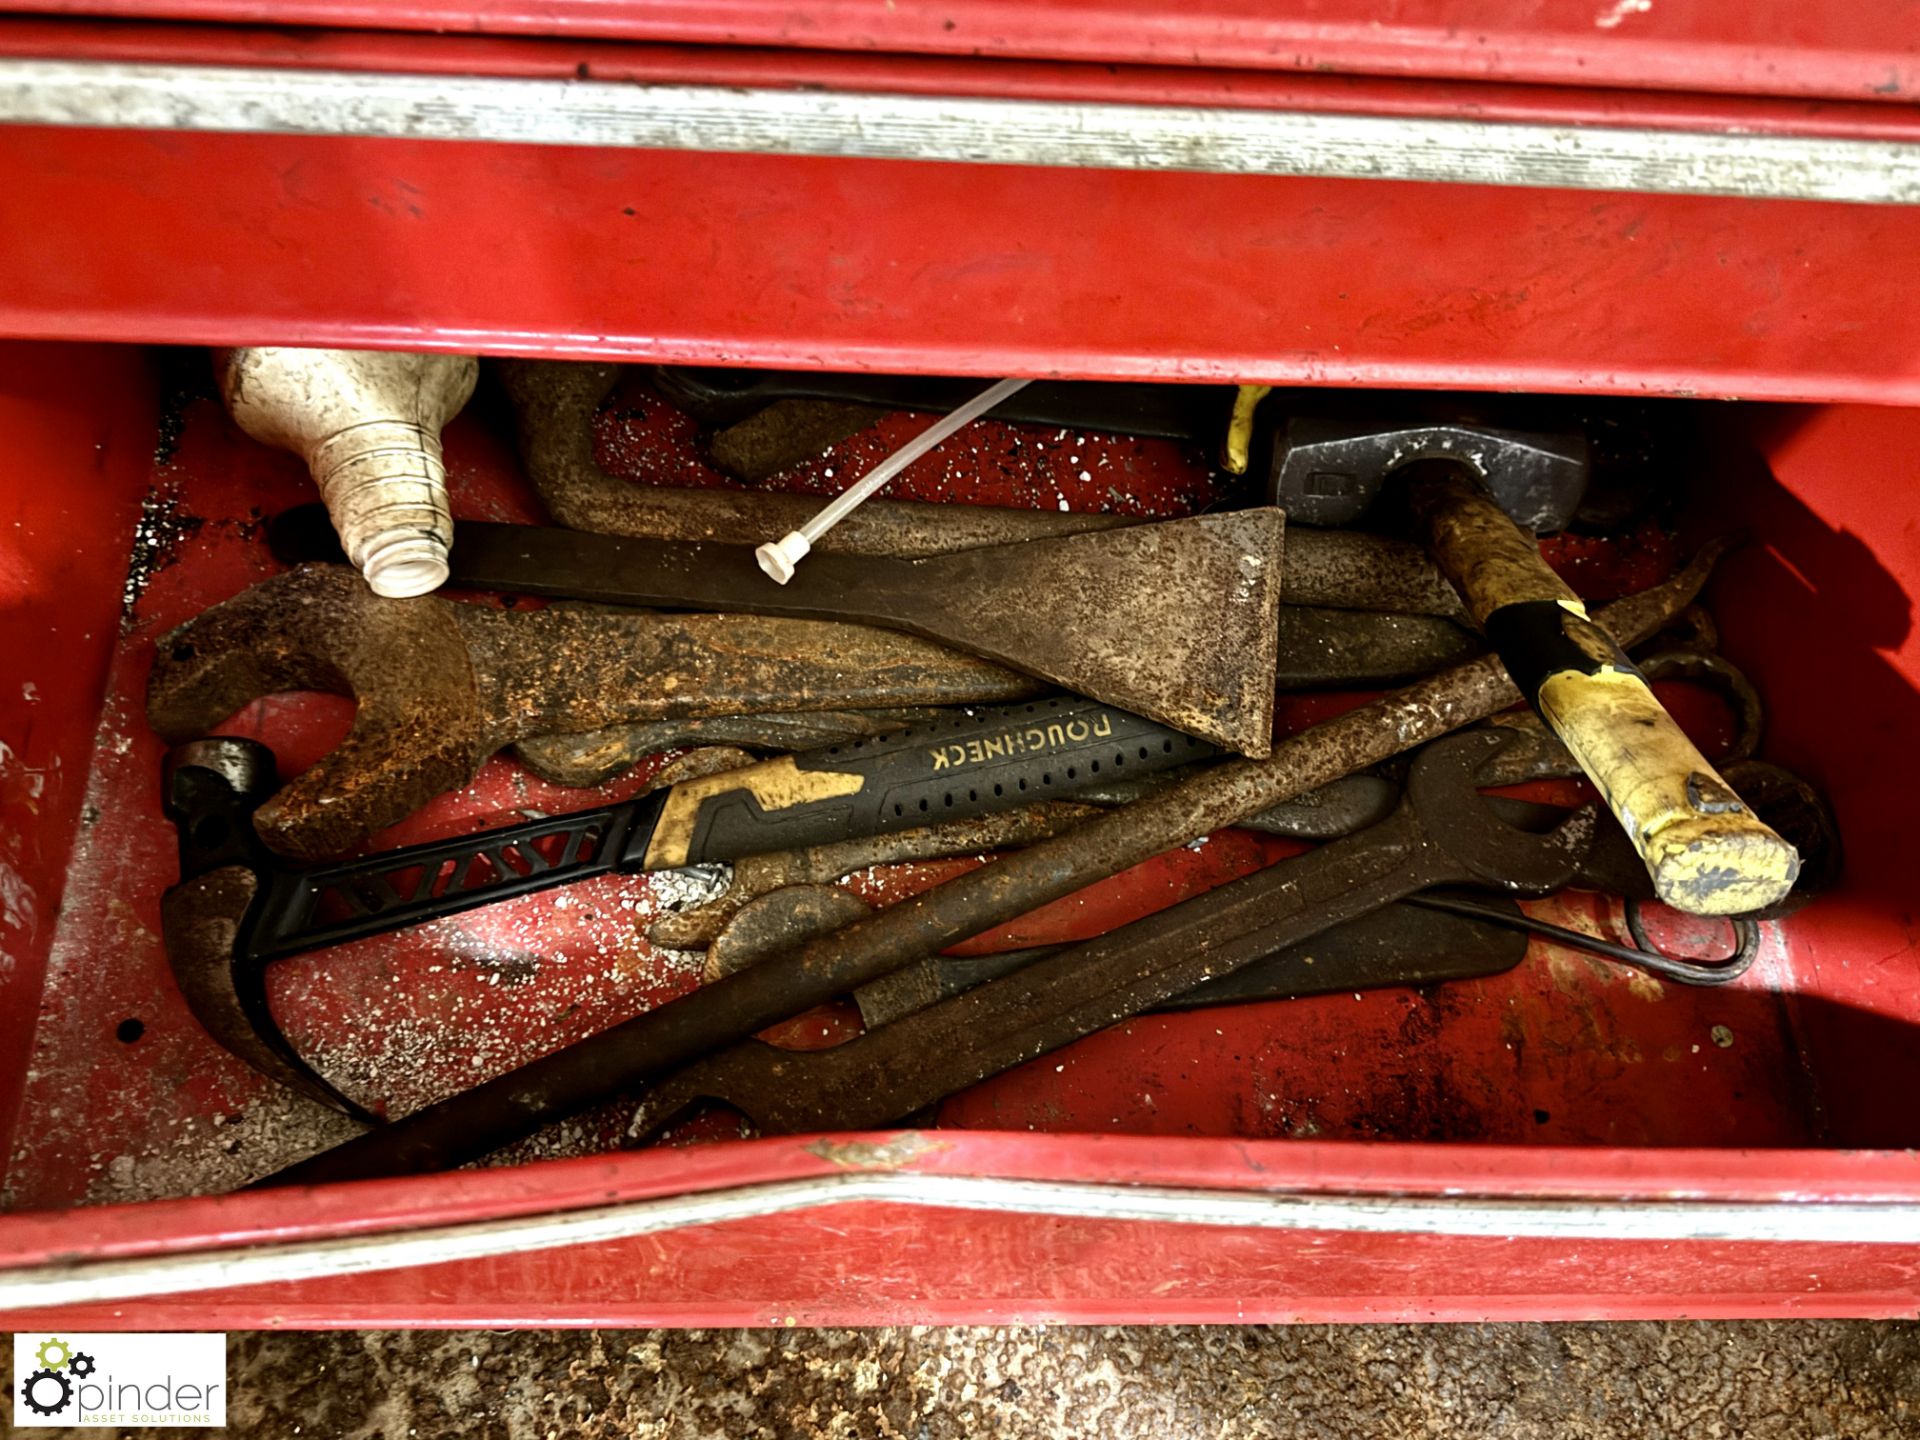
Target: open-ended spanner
pixel 1442 834
pixel 440 686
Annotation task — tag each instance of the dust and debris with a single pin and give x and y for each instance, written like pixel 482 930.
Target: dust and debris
pixel 1759 1380
pixel 183 378
pixel 187 1157
pixel 689 886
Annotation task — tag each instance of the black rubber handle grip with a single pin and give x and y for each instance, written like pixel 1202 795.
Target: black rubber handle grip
pixel 971 764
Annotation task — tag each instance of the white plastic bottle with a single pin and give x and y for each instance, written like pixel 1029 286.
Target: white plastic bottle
pixel 368 424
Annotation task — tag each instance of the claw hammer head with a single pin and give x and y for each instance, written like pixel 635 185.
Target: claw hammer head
pixel 211 789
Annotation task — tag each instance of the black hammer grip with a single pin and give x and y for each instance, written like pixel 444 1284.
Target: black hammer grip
pixel 972 764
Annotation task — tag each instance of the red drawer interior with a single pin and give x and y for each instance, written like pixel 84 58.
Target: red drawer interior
pixel 112 1094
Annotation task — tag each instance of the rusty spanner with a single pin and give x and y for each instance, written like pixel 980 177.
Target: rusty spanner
pixel 442 686
pixel 1442 834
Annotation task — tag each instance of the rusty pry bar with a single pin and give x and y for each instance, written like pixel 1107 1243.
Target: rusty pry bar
pixel 616 1061
pixel 441 686
pixel 554 404
pixel 1177 620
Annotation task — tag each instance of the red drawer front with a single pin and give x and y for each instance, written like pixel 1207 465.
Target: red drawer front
pixel 1765 47
pixel 192 236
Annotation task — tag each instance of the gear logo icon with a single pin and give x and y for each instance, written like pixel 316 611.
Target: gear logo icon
pixel 82 1365
pixel 54 1353
pixel 38 1384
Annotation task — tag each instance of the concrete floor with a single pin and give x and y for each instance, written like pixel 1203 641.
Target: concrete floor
pixel 1749 1381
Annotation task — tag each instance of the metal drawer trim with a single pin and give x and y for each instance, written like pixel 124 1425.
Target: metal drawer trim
pixel 1542 1218
pixel 881 126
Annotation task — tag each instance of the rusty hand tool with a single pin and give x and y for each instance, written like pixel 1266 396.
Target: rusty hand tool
pixel 1318 646
pixel 763 874
pixel 237 907
pixel 441 686
pixel 511 1106
pixel 1442 834
pixel 1177 620
pixel 1400 944
pixel 1333 810
pixel 1319 649
pixel 1609 865
pixel 1470 489
pixel 554 404
pixel 1706 851
pixel 584 761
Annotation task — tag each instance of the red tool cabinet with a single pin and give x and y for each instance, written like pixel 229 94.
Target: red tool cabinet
pixel 1720 202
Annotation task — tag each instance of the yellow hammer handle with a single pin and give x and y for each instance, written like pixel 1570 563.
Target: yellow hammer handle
pixel 1706 851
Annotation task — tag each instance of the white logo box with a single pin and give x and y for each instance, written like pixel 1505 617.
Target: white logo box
pixel 123 1379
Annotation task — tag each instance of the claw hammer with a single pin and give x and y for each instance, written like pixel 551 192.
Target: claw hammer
pixel 1707 853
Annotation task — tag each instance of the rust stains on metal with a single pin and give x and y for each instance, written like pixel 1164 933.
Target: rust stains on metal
pixel 554 404
pixel 775 921
pixel 1352 570
pixel 441 686
pixel 1071 610
pixel 597 756
pixel 618 1059
pixel 759 875
pixel 895 1154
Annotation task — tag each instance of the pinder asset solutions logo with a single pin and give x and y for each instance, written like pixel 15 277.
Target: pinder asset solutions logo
pixel 120 1379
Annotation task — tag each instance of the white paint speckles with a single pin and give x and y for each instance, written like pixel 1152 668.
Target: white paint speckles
pixel 1610 18
pixel 691 885
pixel 29 692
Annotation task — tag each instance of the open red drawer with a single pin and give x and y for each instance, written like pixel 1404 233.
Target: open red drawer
pixel 1560 1141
